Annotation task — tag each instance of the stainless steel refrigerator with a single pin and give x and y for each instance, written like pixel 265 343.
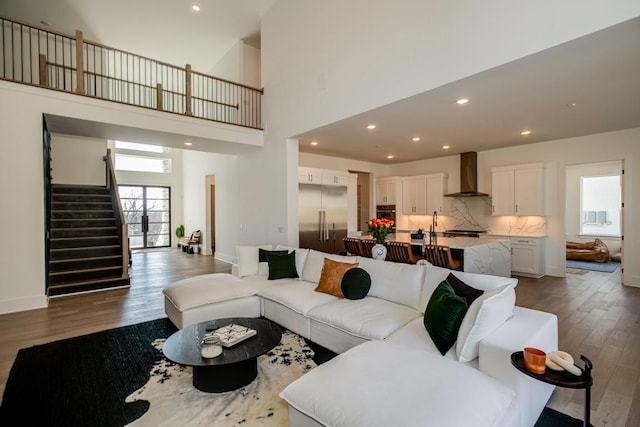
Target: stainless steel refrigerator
pixel 322 217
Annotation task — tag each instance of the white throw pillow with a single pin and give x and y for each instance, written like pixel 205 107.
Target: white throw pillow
pixel 395 282
pixel 484 316
pixel 301 256
pixel 248 260
pixel 315 261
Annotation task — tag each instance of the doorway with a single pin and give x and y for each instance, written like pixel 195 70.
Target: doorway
pixel 594 205
pixel 212 219
pixel 363 192
pixel 147 212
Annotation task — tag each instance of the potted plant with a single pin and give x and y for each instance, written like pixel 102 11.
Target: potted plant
pixel 180 233
pixel 378 229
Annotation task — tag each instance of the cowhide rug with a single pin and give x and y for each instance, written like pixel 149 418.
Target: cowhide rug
pixel 174 401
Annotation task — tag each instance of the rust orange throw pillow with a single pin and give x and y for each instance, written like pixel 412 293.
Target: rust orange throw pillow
pixel 331 277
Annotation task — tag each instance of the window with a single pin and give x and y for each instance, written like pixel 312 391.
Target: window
pixel 134 157
pixel 123 145
pixel 125 162
pixel 600 199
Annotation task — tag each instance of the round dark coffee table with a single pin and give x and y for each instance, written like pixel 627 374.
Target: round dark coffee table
pixel 237 366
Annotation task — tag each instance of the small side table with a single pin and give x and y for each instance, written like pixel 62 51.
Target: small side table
pixel 563 379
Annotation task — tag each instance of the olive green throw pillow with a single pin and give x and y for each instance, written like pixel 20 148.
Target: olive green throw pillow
pixel 281 266
pixel 443 316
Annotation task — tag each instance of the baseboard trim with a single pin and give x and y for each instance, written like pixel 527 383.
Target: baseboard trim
pixel 23 304
pixel 229 259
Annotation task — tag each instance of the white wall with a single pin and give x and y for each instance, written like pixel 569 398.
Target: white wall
pixel 197 166
pixel 229 66
pixel 240 64
pixel 251 66
pixel 78 160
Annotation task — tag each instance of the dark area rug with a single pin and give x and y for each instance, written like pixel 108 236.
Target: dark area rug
pixel 84 381
pixel 552 418
pixel 605 267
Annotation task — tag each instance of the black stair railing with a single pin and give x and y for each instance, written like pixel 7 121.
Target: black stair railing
pixel 121 224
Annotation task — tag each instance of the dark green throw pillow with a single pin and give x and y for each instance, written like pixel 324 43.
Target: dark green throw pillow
pixel 282 266
pixel 443 316
pixel 462 289
pixel 262 254
pixel 355 284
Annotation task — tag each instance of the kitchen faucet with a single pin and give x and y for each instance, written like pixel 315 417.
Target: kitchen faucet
pixel 435 224
pixel 432 229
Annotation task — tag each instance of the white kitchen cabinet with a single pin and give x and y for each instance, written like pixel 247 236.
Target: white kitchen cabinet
pixel 518 190
pixel 323 177
pixel 526 256
pixel 436 189
pixel 309 176
pixel 386 191
pixel 414 195
pixel 335 179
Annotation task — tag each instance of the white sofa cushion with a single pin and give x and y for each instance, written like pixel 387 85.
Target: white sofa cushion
pixel 396 282
pixel 301 256
pixel 379 383
pixel 298 296
pixel 314 262
pixel 248 260
pixel 206 289
pixel 486 314
pixel 370 317
pixel 415 335
pixel 260 281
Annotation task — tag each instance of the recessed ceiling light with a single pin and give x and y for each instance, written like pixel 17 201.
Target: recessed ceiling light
pixel 189 143
pixel 462 101
pixel 314 142
pixel 390 156
pixel 195 7
pixel 416 139
pixel 446 147
pixel 525 132
pixel 371 127
pixel 571 104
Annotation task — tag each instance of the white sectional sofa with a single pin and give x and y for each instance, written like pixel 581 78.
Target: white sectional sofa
pixel 388 372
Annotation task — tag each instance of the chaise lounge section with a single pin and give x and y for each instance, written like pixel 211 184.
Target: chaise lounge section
pixel 389 367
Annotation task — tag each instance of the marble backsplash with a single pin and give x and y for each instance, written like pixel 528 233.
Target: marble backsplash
pixel 474 213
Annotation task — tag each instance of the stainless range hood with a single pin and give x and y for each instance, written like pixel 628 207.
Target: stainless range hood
pixel 468 176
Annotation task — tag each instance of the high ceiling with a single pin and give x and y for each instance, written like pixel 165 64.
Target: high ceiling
pixel 587 86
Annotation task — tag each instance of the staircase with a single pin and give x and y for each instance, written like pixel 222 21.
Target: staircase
pixel 85 252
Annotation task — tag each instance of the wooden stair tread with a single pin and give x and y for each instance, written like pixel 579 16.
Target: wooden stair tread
pixel 86 270
pixel 93 258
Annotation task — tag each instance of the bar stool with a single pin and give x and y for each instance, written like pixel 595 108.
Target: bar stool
pixel 441 256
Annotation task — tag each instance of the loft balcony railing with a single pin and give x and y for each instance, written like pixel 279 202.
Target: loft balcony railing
pixel 49 59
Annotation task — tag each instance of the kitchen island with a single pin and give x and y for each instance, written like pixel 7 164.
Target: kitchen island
pixel 485 256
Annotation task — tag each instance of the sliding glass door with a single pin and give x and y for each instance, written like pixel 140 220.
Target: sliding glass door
pixel 147 211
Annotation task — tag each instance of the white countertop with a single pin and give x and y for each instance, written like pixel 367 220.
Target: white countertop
pixel 504 236
pixel 460 242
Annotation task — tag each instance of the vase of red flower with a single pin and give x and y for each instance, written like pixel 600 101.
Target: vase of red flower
pixel 378 229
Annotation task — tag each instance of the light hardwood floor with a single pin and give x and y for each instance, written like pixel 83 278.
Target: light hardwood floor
pixel 597 316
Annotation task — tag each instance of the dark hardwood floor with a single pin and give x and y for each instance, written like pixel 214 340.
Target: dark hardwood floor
pixel 597 316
